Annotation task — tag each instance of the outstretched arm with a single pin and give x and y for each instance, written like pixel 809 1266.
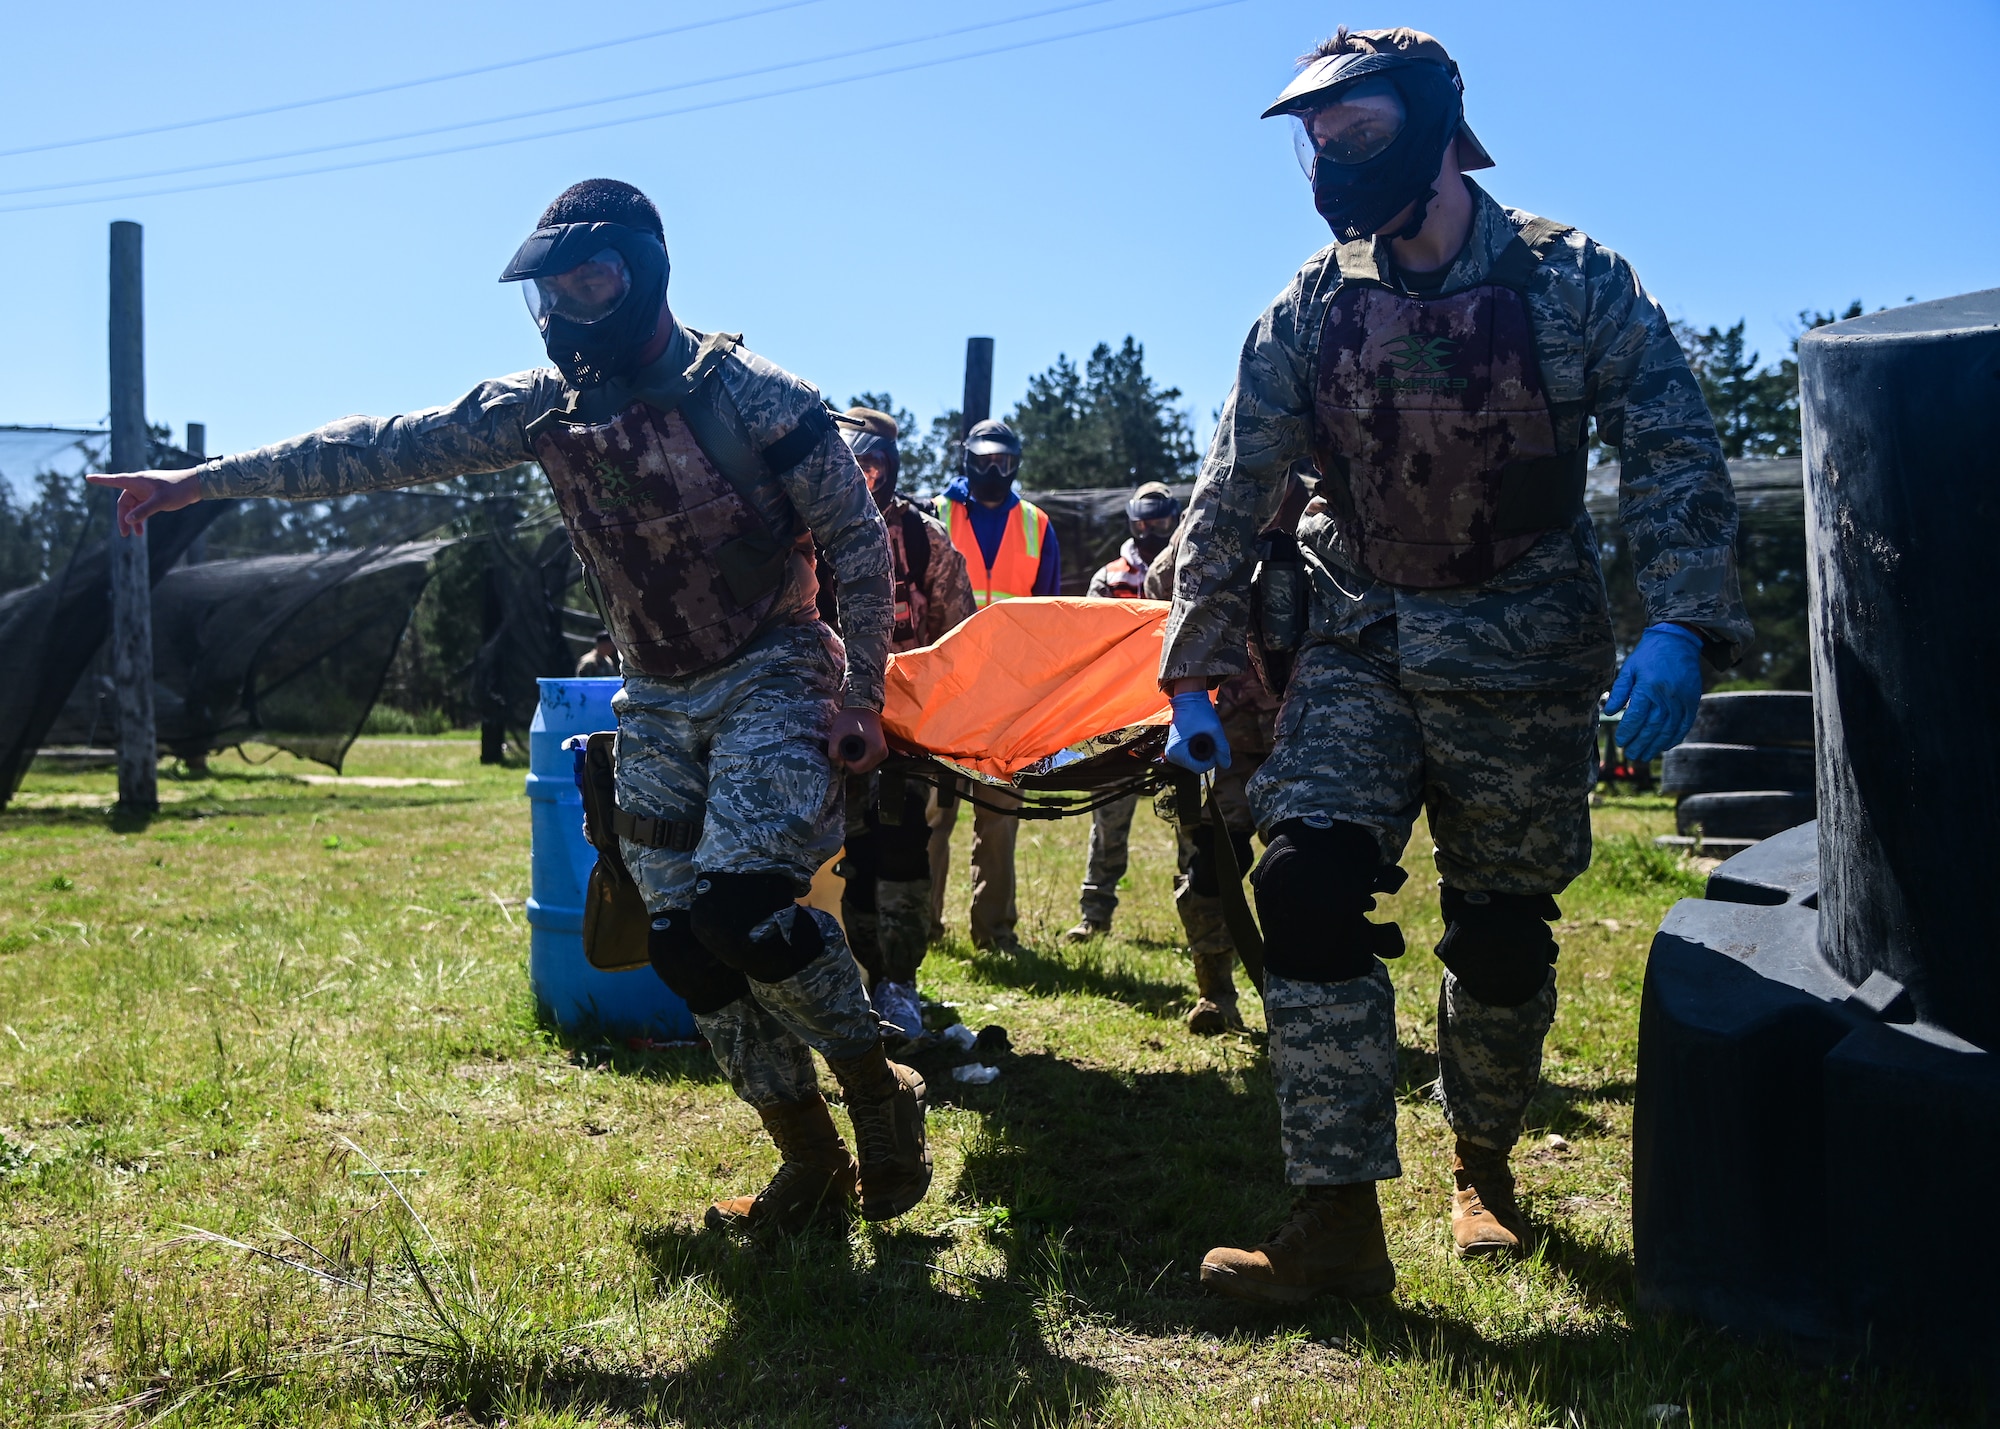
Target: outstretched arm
pixel 485 430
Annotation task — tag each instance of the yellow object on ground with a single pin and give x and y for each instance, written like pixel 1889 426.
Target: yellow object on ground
pixel 1023 679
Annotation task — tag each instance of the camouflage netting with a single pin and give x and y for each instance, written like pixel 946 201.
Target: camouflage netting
pixel 288 650
pixel 285 637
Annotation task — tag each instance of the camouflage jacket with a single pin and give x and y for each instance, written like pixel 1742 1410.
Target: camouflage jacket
pixel 943 588
pixel 1543 622
pixel 485 430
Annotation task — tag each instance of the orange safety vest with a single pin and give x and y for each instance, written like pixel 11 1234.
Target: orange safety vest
pixel 1015 565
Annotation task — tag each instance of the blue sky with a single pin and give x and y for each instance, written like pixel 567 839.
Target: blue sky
pixel 1752 160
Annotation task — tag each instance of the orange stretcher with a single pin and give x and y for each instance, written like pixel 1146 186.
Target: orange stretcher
pixel 1024 680
pixel 1058 700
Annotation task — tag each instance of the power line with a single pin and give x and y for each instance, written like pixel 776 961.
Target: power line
pixel 405 83
pixel 544 112
pixel 635 118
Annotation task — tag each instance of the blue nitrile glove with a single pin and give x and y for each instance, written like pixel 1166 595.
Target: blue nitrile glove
pixel 1661 682
pixel 1194 716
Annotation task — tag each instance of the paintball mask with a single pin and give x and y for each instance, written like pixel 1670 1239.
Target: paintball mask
pixel 1152 513
pixel 871 436
pixel 992 459
pixel 594 289
pixel 1371 126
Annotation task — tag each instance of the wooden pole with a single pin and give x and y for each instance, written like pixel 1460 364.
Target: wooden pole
pixel 131 582
pixel 492 613
pixel 977 405
pixel 196 446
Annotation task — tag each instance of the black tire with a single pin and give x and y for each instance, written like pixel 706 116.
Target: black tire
pixel 1778 719
pixel 1749 814
pixel 1726 768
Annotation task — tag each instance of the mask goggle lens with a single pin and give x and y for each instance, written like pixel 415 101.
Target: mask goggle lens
pixel 588 293
pixel 1359 124
pixel 993 464
pixel 1160 526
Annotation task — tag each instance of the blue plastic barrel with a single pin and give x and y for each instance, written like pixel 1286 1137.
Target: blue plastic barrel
pixel 577 995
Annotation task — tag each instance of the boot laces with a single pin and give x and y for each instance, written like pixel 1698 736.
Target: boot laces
pixel 874 1129
pixel 1307 1217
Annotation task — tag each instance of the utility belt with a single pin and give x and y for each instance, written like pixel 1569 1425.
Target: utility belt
pixel 616 924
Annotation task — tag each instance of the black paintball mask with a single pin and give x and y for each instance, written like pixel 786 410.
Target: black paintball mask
pixel 594 289
pixel 1152 512
pixel 990 459
pixel 873 451
pixel 1371 136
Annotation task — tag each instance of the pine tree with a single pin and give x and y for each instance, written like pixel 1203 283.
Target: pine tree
pixel 1108 425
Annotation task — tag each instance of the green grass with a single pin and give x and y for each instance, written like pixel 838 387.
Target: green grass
pixel 282 1142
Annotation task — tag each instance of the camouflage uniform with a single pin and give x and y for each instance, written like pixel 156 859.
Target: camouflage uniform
pixel 1475 701
pixel 1249 716
pixel 886 902
pixel 739 745
pixel 1111 826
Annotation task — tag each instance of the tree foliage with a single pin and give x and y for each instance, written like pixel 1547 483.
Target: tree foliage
pixel 1108 425
pixel 1756 408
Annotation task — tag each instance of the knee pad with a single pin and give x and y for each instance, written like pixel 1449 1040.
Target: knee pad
pixel 730 907
pixel 1315 888
pixel 903 851
pixel 1498 945
pixel 689 969
pixel 1203 875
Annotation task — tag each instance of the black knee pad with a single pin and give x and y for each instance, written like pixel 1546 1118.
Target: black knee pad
pixel 1315 888
pixel 1498 945
pixel 860 865
pixel 728 906
pixel 1203 874
pixel 903 851
pixel 688 968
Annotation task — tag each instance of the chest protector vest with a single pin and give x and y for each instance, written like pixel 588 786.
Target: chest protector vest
pixel 1432 431
pixel 688 570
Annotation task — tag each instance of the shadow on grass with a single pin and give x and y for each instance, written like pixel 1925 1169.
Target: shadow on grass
pixel 814 1336
pixel 190 811
pixel 1079 970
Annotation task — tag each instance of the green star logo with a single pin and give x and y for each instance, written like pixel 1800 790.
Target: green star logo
pixel 1423 354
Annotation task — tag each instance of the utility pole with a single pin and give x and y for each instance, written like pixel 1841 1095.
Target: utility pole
pixel 131 579
pixel 977 404
pixel 196 446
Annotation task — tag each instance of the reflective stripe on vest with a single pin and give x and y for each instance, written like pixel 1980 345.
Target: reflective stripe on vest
pixel 1015 565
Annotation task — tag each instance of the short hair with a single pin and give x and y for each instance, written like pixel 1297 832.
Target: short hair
pixel 1337 43
pixel 605 201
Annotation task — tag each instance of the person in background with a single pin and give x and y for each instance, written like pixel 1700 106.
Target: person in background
pixel 600 662
pixel 1010 550
pixel 1152 512
pixel 885 900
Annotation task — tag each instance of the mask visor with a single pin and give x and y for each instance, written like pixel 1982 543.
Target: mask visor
pixel 1362 120
pixel 992 466
pixel 588 293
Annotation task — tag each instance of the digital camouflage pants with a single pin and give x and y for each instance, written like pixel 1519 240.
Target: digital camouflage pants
pixel 1504 778
pixel 741 747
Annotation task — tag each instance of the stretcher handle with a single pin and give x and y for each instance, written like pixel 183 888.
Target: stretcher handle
pixel 851 749
pixel 1202 747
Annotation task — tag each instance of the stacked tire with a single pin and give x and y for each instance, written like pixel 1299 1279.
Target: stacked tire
pixel 1745 771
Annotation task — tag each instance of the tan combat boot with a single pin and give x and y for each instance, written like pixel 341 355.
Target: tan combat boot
pixel 1485 1219
pixel 886 1103
pixel 1332 1245
pixel 815 1176
pixel 1216 1011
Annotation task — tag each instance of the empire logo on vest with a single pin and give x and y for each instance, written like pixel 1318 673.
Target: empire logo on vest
pixel 1422 355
